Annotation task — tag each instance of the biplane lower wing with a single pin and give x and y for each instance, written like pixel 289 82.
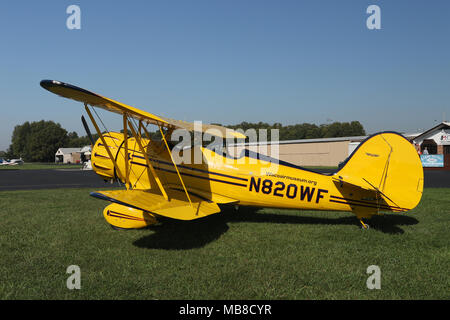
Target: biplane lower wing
pixel 176 207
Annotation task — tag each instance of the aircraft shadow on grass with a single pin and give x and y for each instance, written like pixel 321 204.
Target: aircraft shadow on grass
pixel 184 235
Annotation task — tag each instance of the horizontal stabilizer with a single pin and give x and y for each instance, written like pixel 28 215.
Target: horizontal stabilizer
pixel 354 181
pixel 177 207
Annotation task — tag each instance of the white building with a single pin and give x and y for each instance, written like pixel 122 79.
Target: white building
pixel 68 155
pixel 73 155
pixel 435 144
pixel 436 140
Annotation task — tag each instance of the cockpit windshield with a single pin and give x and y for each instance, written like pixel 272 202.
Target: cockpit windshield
pixel 227 151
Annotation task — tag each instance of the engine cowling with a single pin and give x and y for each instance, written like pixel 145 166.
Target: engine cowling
pixel 101 163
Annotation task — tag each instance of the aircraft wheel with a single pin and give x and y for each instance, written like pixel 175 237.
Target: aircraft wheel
pixel 364 226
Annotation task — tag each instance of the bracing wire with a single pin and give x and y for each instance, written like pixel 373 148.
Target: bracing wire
pixel 125 156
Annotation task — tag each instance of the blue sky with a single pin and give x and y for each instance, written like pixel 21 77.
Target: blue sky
pixel 230 61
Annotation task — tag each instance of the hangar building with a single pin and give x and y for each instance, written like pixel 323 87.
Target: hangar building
pixel 332 151
pixel 67 155
pixel 72 155
pixel 328 152
pixel 323 152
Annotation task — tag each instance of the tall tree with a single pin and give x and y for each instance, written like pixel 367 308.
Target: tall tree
pixel 37 141
pixel 308 130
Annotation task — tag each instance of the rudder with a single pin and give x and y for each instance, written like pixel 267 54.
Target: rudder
pixel 387 163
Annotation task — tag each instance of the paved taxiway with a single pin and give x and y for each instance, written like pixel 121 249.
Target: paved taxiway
pixel 64 178
pixel 50 179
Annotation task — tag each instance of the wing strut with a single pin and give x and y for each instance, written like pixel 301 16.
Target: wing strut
pixel 119 173
pixel 152 170
pixel 175 165
pixel 125 143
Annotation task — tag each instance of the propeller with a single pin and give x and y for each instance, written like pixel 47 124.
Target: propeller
pixel 86 127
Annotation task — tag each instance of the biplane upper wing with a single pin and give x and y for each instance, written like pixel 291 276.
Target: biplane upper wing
pixel 147 200
pixel 72 92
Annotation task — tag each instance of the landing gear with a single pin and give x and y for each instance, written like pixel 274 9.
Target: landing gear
pixel 364 214
pixel 364 226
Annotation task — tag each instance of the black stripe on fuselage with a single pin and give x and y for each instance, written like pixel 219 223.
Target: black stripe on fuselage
pixel 193 175
pixel 194 169
pixel 368 203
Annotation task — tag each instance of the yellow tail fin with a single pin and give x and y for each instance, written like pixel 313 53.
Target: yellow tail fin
pixel 386 163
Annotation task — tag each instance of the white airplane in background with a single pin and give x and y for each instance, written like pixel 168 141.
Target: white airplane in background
pixel 13 162
pixel 16 162
pixel 4 162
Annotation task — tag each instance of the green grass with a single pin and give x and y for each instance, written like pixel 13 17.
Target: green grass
pixel 272 254
pixel 41 165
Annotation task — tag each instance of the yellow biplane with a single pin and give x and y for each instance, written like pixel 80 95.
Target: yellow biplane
pixel 383 174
